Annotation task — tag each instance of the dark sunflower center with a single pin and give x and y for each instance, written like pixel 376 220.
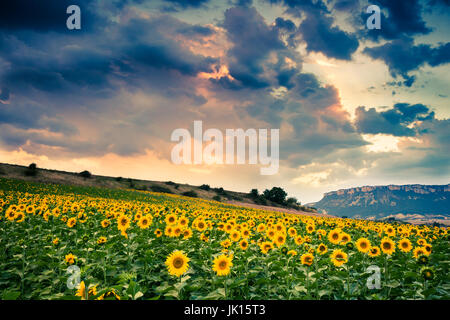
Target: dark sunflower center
pixel 178 263
pixel 222 264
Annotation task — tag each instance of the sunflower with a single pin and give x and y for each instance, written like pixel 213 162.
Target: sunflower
pixel 271 233
pixel 123 222
pixel 20 216
pixel 345 238
pixel 307 259
pixel 299 240
pixel 187 233
pixel 144 222
pixel 222 265
pixel 427 248
pixel 339 257
pixel 225 243
pixel 71 222
pixel 261 227
pixel 322 249
pixel 177 263
pixel 168 231
pixel 374 252
pixel 334 236
pixel 81 292
pixel 280 239
pixel 427 273
pixel 387 245
pixel 101 240
pixel 246 233
pixel 421 242
pixel 171 219
pixel 110 294
pixel 292 232
pixel 177 230
pixel 235 235
pixel 390 231
pixel 292 252
pixel 310 228
pixel 422 259
pixel 201 226
pixel 266 246
pixel 158 233
pixel 405 245
pixel 183 221
pixel 55 241
pixel 363 245
pixel 419 251
pixel 105 223
pixel 243 244
pixel 70 258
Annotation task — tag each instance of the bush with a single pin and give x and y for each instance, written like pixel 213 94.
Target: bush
pixel 141 188
pixel 170 183
pixel 119 179
pixel 161 189
pixel 217 198
pixel 219 190
pixel 31 170
pixel 85 174
pixel 190 193
pixel 205 187
pixel 2 172
pixel 260 200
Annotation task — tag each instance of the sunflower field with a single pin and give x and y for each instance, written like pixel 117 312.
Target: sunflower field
pixel 68 242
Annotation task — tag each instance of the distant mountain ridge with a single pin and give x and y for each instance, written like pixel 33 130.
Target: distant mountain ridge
pixel 381 201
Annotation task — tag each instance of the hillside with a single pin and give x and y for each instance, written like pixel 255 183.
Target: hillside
pixel 71 178
pixel 375 202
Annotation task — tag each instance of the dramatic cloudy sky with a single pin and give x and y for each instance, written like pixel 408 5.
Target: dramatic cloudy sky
pixel 354 106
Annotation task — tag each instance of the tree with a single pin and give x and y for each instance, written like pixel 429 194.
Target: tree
pixel 85 174
pixel 276 194
pixel 254 193
pixel 31 170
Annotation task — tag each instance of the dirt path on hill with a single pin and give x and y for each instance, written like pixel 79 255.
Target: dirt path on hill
pixel 286 210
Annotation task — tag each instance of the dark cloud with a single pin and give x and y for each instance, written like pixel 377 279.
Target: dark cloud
pixel 253 40
pixel 317 29
pixel 187 3
pixel 403 56
pixel 396 121
pixel 321 36
pixel 4 95
pixel 346 5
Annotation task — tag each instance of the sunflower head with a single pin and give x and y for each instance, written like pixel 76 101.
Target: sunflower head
pixel 307 259
pixel 427 273
pixel 177 263
pixel 322 249
pixel 387 245
pixel 338 257
pixel 363 245
pixel 222 265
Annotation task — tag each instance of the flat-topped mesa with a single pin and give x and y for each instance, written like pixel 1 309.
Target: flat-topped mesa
pixel 381 201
